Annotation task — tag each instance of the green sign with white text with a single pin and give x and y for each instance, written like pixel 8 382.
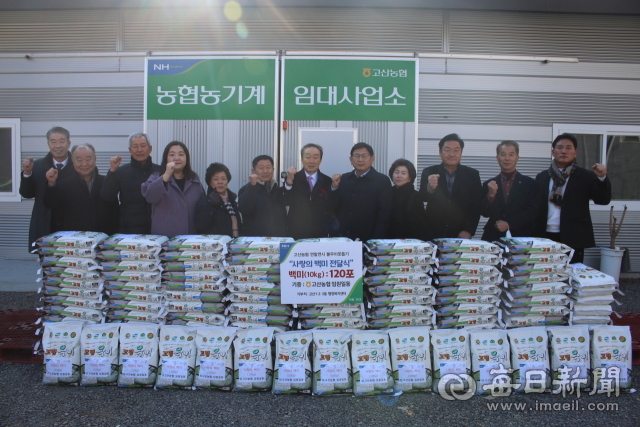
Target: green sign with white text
pixel 211 89
pixel 349 89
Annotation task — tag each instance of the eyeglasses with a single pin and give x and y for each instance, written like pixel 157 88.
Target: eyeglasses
pixel 361 156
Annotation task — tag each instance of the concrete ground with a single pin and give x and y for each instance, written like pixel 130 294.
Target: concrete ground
pixel 19 275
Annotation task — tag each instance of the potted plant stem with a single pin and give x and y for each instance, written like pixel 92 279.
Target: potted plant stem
pixel 611 257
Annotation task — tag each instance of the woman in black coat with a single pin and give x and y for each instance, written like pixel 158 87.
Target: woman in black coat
pixel 407 212
pixel 217 212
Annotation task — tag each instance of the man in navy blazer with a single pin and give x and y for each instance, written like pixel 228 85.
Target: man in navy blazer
pixel 510 199
pixel 565 190
pixel 307 195
pixel 452 192
pixel 361 198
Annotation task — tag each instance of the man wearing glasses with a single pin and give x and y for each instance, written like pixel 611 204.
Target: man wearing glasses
pixel 361 198
pixel 453 193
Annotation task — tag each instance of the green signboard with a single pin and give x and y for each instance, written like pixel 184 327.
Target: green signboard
pixel 349 89
pixel 211 89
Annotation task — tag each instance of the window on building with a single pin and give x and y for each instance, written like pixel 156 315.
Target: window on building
pixel 10 160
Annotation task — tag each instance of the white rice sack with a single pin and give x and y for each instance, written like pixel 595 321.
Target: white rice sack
pixel 468 269
pixel 52 238
pixel 150 287
pixel 253 298
pixel 462 309
pixel 131 266
pixel 537 258
pixel 75 273
pixel 523 269
pixel 214 361
pixel 399 246
pixel 138 354
pixel 100 345
pixel 371 363
pixel 135 242
pixel 211 257
pixel 529 289
pixel 262 318
pixel 495 279
pixel 466 298
pixel 403 289
pixel 402 310
pixel 448 245
pixel 217 286
pixel 399 279
pixel 94 304
pixel 292 370
pixel 530 357
pixel 411 359
pixel 331 362
pixel 68 251
pixel 253 268
pixel 541 300
pixel 76 262
pixel 193 276
pixel 82 313
pixel 570 354
pixel 538 278
pixel 469 290
pixel 127 255
pixel 142 296
pixel 61 346
pixel 257 245
pixel 611 356
pixel 255 288
pixel 591 278
pixel 279 310
pixel 333 322
pixel 132 276
pixel 405 260
pixel 592 310
pixel 325 312
pixel 404 321
pixel 203 242
pixel 525 245
pixel 470 258
pixel 539 310
pixel 489 351
pixel 402 299
pixel 253 361
pixel 468 320
pixel 71 292
pixel 80 239
pixel 533 319
pixel 399 269
pixel 590 320
pixel 177 357
pixel 80 284
pixel 213 319
pixel 258 258
pixel 192 265
pixel 450 356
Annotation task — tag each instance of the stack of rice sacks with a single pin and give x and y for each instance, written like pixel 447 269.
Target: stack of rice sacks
pixel 592 295
pixel 131 274
pixel 469 275
pixel 399 283
pixel 72 289
pixel 194 278
pixel 537 282
pixel 253 268
pixel 330 315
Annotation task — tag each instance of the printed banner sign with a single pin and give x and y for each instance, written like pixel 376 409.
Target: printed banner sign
pixel 321 272
pixel 349 89
pixel 211 89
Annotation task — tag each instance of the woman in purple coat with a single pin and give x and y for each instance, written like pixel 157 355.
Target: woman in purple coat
pixel 173 192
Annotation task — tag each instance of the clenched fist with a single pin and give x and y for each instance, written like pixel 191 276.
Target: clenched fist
pixel 600 170
pixel 291 172
pixel 115 162
pixel 168 171
pixel 52 176
pixel 336 180
pixel 253 179
pixel 493 189
pixel 433 182
pixel 27 165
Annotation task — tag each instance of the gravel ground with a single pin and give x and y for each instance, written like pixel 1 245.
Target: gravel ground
pixel 24 401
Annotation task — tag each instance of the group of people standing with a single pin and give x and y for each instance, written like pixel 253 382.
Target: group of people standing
pixel 141 197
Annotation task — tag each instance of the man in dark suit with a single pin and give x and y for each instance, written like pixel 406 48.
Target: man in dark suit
pixel 565 190
pixel 307 195
pixel 33 183
pixel 126 181
pixel 361 198
pixel 78 196
pixel 510 199
pixel 452 192
pixel 260 201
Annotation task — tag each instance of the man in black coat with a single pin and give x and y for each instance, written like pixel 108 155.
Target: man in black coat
pixel 78 196
pixel 565 190
pixel 307 195
pixel 452 192
pixel 33 183
pixel 510 199
pixel 361 198
pixel 260 201
pixel 126 180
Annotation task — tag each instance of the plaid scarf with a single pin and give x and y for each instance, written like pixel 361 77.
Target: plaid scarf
pixel 559 181
pixel 232 214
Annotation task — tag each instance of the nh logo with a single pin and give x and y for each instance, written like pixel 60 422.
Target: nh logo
pixel 161 67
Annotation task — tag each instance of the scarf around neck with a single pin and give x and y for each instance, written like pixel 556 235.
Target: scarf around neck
pixel 232 214
pixel 559 181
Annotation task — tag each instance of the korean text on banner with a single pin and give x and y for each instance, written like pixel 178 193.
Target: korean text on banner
pixel 321 272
